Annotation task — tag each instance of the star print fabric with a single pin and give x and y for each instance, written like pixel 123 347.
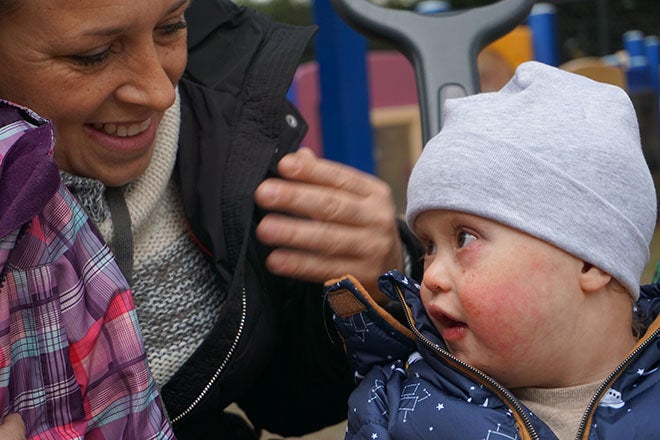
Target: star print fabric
pixel 410 387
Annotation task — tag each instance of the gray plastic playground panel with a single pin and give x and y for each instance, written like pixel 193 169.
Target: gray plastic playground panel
pixel 442 47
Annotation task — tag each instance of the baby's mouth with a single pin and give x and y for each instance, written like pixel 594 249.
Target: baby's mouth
pixel 450 329
pixel 446 321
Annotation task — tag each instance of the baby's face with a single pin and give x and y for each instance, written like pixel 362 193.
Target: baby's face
pixel 503 301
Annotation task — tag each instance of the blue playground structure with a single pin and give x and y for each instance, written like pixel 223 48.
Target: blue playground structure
pixel 442 45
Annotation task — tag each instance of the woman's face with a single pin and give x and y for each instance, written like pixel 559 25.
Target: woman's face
pixel 103 71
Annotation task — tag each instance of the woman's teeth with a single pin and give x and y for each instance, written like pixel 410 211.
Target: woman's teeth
pixel 123 130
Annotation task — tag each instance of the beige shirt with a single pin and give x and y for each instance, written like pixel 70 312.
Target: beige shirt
pixel 560 408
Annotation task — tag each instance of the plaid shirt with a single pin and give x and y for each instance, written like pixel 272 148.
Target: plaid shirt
pixel 72 361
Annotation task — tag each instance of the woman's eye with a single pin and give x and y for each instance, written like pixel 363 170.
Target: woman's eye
pixel 172 28
pixel 92 58
pixel 464 238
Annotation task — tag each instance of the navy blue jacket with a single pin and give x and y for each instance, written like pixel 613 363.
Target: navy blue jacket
pixel 411 387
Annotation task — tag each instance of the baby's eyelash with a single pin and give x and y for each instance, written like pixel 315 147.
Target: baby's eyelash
pixel 464 237
pixel 428 247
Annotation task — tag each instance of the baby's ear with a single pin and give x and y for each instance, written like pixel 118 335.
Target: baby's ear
pixel 592 278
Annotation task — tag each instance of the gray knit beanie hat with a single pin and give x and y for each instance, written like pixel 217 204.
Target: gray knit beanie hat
pixel 553 154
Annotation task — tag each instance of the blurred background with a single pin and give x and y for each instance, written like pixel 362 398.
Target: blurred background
pixel 359 96
pixel 585 27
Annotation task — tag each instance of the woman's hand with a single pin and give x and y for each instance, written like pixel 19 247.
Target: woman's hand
pixel 331 220
pixel 12 428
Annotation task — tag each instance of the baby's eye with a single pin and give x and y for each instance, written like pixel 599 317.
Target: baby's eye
pixel 464 238
pixel 429 248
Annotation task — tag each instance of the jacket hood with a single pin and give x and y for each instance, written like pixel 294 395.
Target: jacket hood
pixel 394 281
pixel 446 364
pixel 647 307
pixel 28 173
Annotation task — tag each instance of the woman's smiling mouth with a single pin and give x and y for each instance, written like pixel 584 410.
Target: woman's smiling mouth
pixel 123 130
pixel 124 138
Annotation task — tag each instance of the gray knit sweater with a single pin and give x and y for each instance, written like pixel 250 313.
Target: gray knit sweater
pixel 175 295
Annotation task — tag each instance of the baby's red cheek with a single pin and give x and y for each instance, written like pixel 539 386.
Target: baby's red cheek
pixel 496 312
pixel 472 308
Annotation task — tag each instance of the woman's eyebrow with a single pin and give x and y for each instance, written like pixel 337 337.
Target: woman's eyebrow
pixel 105 32
pixel 177 5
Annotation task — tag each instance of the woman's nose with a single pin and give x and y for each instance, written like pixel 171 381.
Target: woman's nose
pixel 147 83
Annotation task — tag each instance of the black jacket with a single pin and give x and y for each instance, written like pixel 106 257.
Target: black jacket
pixel 274 349
pixel 271 349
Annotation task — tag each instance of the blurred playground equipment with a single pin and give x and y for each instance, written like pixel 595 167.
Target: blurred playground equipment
pixel 363 107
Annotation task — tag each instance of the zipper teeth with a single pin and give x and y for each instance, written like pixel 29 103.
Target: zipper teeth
pixel 222 365
pixel 606 384
pixel 505 393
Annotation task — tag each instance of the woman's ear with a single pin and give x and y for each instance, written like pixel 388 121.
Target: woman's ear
pixel 592 278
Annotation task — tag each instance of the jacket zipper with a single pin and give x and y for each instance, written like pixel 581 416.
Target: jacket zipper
pixel 222 366
pixel 606 384
pixel 505 394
